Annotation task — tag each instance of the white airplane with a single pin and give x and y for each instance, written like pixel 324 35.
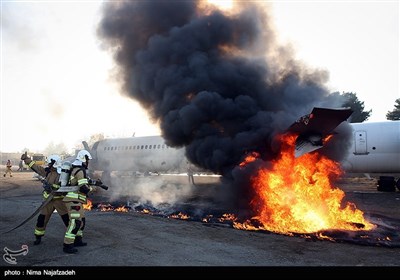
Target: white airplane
pixel 375 149
pixel 136 155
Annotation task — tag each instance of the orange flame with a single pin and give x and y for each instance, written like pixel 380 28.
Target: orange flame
pixel 296 196
pixel 227 217
pixel 180 215
pixel 88 205
pixel 108 207
pixel 121 209
pixel 327 138
pixel 207 218
pixel 249 158
pixel 105 207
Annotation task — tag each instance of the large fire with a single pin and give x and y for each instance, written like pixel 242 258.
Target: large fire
pixel 296 196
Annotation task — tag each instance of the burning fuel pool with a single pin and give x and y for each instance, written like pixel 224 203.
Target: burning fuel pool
pixel 386 231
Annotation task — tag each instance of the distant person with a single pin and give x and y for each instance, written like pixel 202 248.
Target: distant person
pixel 75 200
pixel 21 165
pixel 8 168
pixel 190 173
pixel 51 175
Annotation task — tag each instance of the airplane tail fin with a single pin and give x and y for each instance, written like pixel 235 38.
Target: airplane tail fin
pixel 314 127
pixel 306 145
pixel 91 151
pixel 86 146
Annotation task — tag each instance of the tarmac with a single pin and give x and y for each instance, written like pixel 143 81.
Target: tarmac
pixel 143 238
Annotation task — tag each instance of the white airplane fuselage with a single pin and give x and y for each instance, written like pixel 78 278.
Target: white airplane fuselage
pixel 375 149
pixel 138 154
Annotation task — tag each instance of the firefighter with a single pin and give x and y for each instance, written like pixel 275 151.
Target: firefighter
pixel 50 176
pixel 8 168
pixel 75 200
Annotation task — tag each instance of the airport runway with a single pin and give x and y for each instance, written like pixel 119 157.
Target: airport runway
pixel 139 239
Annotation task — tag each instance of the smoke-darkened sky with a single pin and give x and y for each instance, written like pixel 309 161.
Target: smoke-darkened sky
pixel 50 61
pixel 217 82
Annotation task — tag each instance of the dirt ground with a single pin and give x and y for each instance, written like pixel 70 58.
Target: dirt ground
pixel 137 238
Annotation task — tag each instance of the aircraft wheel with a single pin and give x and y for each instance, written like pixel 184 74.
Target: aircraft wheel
pixel 386 184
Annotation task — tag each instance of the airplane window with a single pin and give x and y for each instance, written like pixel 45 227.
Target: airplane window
pixel 154 146
pixel 145 147
pixel 163 146
pixel 142 147
pixel 158 146
pixel 126 147
pixel 149 146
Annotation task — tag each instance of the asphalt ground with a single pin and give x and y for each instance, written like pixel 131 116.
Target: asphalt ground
pixel 151 240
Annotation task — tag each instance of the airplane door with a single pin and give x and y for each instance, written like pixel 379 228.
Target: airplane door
pixel 360 142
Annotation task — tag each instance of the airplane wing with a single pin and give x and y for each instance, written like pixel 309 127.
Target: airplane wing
pixel 314 127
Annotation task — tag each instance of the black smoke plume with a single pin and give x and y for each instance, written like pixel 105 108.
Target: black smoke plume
pixel 216 82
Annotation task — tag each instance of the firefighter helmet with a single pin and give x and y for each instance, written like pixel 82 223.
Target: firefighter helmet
pixel 55 159
pixel 83 155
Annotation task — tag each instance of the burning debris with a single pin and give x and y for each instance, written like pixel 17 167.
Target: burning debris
pixel 385 232
pixel 104 207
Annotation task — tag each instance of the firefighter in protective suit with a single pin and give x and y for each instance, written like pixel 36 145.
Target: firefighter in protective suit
pixel 75 200
pixel 51 175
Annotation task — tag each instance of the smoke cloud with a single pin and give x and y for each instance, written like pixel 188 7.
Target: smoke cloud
pixel 217 82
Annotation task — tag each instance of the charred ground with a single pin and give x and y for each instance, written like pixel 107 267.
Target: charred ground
pixel 155 237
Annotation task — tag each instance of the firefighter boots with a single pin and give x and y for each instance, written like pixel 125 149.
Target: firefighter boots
pixel 69 248
pixel 37 240
pixel 78 242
